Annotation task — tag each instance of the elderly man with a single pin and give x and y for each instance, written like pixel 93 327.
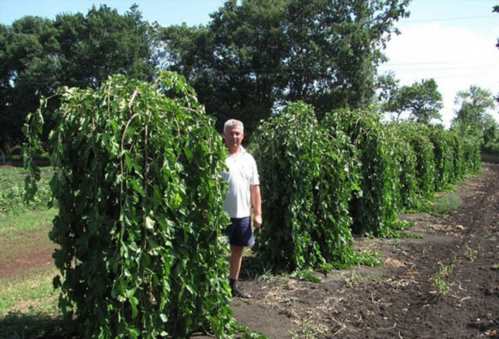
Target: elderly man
pixel 242 196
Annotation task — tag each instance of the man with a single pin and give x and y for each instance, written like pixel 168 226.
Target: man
pixel 243 194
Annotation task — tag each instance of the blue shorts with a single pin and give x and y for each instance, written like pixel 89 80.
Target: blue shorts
pixel 240 233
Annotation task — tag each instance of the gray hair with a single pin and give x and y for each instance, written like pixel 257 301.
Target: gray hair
pixel 232 123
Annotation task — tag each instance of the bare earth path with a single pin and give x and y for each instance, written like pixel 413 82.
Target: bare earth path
pixel 401 299
pixel 442 285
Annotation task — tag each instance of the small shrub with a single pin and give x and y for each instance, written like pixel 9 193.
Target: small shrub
pixel 446 203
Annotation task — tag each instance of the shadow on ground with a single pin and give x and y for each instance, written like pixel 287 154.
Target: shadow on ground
pixel 17 325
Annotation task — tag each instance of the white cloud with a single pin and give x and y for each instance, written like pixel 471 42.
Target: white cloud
pixel 455 57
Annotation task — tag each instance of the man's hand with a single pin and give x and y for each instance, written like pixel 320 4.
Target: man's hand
pixel 257 221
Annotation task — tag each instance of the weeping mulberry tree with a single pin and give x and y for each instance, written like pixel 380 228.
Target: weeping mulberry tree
pixel 405 157
pixel 137 182
pixel 417 136
pixel 374 208
pixel 307 179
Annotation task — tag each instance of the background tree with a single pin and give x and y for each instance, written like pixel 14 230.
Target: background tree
pixel 39 55
pixel 4 86
pixel 235 63
pixel 387 88
pixel 472 117
pixel 30 70
pixel 256 55
pixel 103 43
pixel 490 134
pixel 421 100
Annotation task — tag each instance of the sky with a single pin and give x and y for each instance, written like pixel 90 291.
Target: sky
pixel 451 41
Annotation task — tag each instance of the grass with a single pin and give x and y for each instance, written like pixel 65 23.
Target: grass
pixel 446 202
pixel 12 190
pixel 28 302
pixel 29 229
pixel 440 279
pixel 28 307
pixel 32 293
pixel 10 175
pixel 12 225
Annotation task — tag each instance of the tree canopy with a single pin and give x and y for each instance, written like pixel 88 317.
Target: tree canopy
pixel 39 55
pixel 255 55
pixel 472 117
pixel 421 100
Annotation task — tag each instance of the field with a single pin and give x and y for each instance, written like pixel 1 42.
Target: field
pixel 441 280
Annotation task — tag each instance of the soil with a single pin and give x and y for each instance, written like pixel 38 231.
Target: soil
pixel 25 253
pixel 443 282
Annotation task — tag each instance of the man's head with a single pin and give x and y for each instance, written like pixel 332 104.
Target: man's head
pixel 233 134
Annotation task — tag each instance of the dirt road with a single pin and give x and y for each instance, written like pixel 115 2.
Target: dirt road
pixel 444 285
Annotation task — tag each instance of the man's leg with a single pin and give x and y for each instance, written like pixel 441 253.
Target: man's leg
pixel 236 258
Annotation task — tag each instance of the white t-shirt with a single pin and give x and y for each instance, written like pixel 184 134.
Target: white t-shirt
pixel 241 174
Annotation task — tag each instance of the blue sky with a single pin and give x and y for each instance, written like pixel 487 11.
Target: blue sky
pixel 452 41
pixel 165 12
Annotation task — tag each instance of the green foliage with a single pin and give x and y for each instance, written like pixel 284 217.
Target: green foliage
pixel 471 154
pixel 12 191
pixel 39 55
pixel 417 136
pixel 374 208
pixel 435 159
pixel 137 179
pixel 471 117
pixel 322 52
pixel 475 125
pixel 443 155
pixel 456 148
pixel 307 180
pixel 306 275
pixel 446 203
pixel 421 100
pixel 441 279
pixel 406 158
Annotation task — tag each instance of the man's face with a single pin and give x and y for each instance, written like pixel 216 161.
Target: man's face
pixel 233 137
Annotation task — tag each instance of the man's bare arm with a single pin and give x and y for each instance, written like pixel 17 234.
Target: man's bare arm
pixel 256 203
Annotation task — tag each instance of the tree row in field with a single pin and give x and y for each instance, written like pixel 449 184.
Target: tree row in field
pixel 323 180
pixel 137 179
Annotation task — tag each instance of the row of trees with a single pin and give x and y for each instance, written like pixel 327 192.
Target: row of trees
pixel 248 60
pixel 137 181
pixel 422 102
pixel 349 173
pixel 254 56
